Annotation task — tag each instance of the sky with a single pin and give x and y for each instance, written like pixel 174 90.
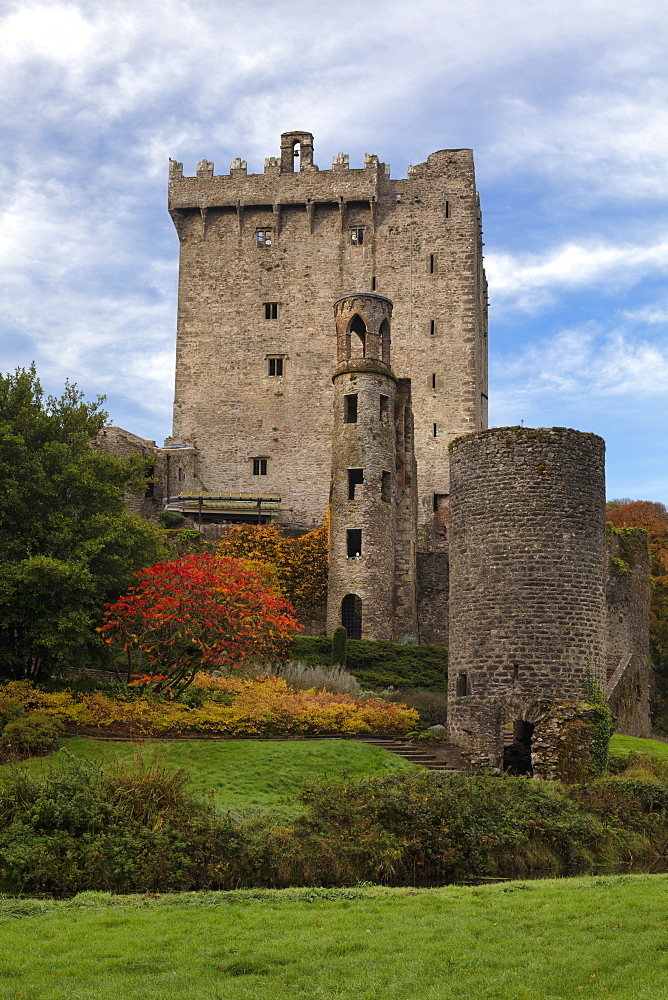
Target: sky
pixel 564 103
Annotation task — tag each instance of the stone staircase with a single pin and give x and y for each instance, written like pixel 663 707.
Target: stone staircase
pixel 435 756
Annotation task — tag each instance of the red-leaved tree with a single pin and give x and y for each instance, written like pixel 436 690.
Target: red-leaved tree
pixel 198 613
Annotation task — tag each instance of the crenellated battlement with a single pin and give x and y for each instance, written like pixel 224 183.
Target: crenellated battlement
pixel 293 178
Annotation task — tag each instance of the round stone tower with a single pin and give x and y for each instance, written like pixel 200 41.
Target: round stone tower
pixel 362 515
pixel 527 571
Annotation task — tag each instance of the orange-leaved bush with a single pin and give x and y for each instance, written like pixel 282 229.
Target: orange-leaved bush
pixel 198 612
pixel 300 563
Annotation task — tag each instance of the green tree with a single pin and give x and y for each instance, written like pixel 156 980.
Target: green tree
pixel 67 542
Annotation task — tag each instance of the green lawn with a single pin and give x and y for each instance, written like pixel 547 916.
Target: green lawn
pixel 621 745
pixel 602 938
pixel 242 774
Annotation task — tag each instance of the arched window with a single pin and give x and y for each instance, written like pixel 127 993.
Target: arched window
pixel 357 330
pixel 385 341
pixel 351 615
pixel 296 152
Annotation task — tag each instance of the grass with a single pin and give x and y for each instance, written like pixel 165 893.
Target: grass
pixel 242 774
pixel 620 746
pixel 602 938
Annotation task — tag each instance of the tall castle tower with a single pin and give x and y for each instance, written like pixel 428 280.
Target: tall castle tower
pixel 262 258
pixel 371 587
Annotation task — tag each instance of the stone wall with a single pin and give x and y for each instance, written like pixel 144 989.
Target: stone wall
pixel 420 245
pixel 628 669
pixel 527 566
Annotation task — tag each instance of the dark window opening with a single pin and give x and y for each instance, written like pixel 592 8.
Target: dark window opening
pixel 350 409
pixel 373 284
pixel 355 478
pixel 434 430
pixel 384 409
pixel 432 327
pixel 264 237
pixel 433 381
pixel 150 486
pixel 357 237
pixel 386 487
pixel 447 209
pixel 354 542
pixel 271 310
pixel 351 615
pixel 182 475
pixel 259 466
pixel 358 327
pixel 274 366
pixel 432 263
pixel 463 685
pixel 440 501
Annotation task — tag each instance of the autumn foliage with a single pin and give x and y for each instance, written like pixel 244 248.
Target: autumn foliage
pixel 653 518
pixel 300 563
pixel 194 613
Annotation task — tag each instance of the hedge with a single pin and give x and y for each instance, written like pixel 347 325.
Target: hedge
pixel 378 665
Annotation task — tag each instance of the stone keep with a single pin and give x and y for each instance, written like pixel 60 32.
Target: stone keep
pixel 527 579
pixel 262 258
pixel 371 587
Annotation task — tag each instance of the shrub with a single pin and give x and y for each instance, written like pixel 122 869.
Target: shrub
pixel 171 519
pixel 303 677
pixel 33 734
pixel 431 706
pixel 381 664
pixel 340 646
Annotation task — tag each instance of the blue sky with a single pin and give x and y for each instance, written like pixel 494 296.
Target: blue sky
pixel 564 103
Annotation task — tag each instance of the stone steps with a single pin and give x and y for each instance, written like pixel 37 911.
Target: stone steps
pixel 443 757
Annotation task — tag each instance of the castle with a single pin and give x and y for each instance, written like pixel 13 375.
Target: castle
pixel 332 350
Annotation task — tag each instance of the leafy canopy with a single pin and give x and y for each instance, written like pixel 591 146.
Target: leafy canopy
pixel 195 613
pixel 67 542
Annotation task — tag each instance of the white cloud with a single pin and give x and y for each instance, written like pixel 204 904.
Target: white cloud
pixel 531 282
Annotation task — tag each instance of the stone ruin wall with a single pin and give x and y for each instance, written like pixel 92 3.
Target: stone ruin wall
pixel 628 667
pixel 527 570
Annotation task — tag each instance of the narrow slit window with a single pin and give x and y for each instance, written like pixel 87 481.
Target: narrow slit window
pixel 355 478
pixel 434 430
pixel 357 237
pixel 259 466
pixel 432 327
pixel 275 366
pixel 271 310
pixel 386 487
pixel 433 381
pixel 462 685
pixel 150 485
pixel 354 542
pixel 447 209
pixel 373 284
pixel 264 238
pixel 182 475
pixel 432 263
pixel 384 413
pixel 350 409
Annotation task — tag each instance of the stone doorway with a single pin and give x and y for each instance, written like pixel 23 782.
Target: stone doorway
pixel 517 754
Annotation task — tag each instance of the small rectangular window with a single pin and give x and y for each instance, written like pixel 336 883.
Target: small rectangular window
pixel 432 327
pixel 433 381
pixel 271 310
pixel 432 263
pixel 440 501
pixel 384 409
pixel 435 430
pixel 274 366
pixel 350 409
pixel 463 688
pixel 355 478
pixel 373 284
pixel 447 209
pixel 182 476
pixel 354 541
pixel 264 237
pixel 357 237
pixel 259 466
pixel 386 487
